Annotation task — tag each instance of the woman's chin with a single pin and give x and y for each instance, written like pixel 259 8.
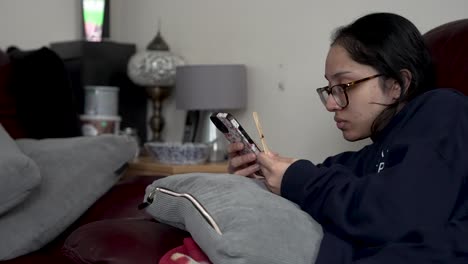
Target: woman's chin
pixel 350 136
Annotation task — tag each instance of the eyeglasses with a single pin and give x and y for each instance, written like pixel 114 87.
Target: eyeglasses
pixel 339 91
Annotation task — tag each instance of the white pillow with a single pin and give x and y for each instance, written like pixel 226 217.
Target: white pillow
pixel 75 173
pixel 19 175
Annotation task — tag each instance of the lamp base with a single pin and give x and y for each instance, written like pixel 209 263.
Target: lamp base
pixel 156 123
pixel 207 133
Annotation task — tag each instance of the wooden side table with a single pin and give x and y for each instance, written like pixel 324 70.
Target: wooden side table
pixel 145 166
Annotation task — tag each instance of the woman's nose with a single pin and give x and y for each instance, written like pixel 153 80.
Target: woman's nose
pixel 331 104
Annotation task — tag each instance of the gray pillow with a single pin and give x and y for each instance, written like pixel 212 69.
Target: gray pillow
pixel 19 175
pixel 235 219
pixel 75 173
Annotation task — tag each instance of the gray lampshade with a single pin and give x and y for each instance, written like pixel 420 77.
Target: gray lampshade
pixel 211 87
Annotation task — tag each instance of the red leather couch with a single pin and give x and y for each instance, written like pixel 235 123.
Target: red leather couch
pixel 448 45
pixel 114 231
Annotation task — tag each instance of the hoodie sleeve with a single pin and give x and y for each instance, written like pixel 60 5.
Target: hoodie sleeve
pixel 419 188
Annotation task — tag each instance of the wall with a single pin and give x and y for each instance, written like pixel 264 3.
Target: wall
pixel 32 24
pixel 280 42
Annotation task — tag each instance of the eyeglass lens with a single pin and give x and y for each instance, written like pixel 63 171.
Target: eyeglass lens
pixel 338 95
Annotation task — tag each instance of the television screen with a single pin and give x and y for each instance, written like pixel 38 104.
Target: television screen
pixel 95 19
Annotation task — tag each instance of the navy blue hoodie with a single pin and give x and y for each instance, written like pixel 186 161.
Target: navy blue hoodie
pixel 402 199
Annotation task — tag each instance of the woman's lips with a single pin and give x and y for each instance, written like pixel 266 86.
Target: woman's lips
pixel 340 123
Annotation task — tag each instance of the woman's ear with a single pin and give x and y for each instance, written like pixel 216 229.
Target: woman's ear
pixel 396 91
pixel 393 90
pixel 407 78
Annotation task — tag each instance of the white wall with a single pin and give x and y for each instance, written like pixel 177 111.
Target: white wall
pixel 33 24
pixel 280 42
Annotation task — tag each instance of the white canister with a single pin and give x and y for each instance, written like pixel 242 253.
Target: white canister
pixel 101 100
pixel 93 125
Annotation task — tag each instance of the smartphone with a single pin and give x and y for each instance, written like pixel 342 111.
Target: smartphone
pixel 234 132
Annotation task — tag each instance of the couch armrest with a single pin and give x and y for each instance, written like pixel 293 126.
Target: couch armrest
pixel 122 241
pixel 119 202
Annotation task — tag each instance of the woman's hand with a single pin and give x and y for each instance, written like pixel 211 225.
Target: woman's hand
pixel 273 168
pixel 244 165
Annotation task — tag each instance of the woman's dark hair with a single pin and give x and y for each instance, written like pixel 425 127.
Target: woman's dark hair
pixel 389 43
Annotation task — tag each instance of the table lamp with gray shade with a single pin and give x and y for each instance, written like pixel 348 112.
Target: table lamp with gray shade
pixel 207 89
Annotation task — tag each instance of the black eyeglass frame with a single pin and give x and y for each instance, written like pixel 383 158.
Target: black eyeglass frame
pixel 344 87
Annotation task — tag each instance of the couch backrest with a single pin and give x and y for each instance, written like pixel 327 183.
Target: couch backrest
pixel 448 45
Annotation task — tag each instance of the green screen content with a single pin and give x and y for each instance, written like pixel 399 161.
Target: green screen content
pixel 93 17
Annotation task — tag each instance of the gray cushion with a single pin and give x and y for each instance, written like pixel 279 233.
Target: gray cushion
pixel 19 175
pixel 254 225
pixel 75 173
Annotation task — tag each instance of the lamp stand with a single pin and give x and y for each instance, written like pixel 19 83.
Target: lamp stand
pixel 157 95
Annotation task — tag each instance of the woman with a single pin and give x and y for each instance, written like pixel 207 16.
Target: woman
pixel 403 198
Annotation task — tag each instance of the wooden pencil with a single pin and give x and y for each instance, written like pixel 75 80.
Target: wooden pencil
pixel 260 132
